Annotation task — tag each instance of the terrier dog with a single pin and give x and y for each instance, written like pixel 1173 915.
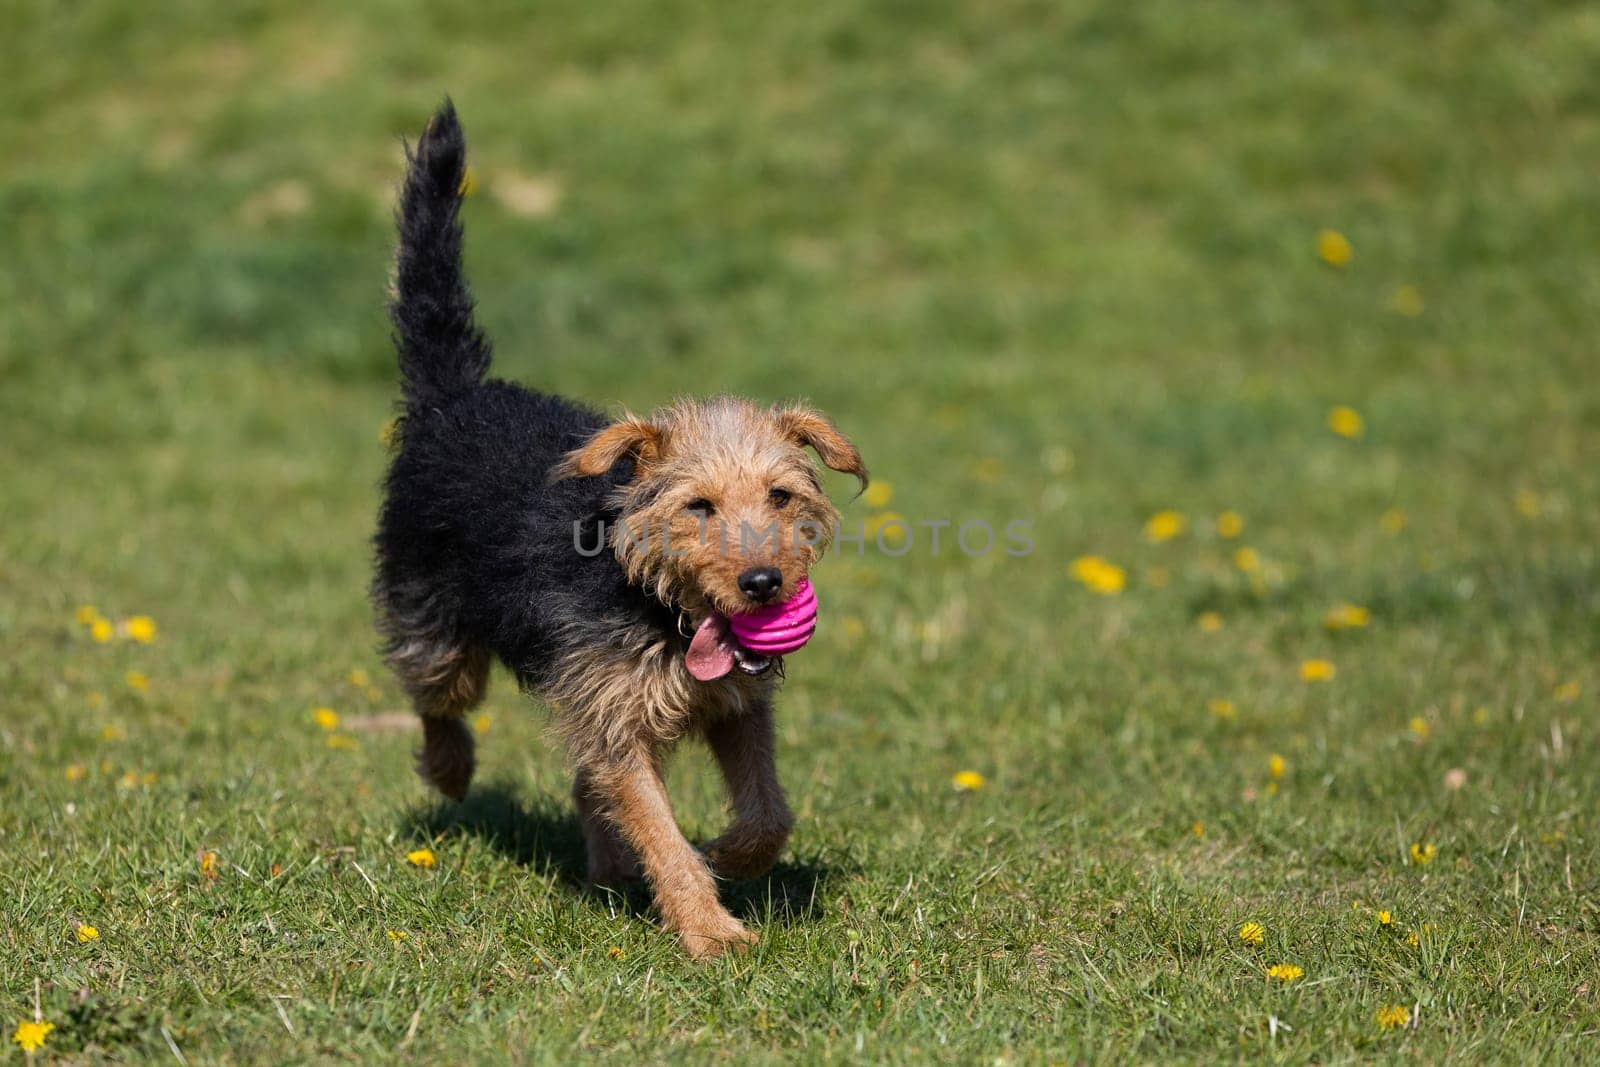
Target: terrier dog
pixel 590 556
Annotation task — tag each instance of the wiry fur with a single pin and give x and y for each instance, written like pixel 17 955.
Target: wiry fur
pixel 476 559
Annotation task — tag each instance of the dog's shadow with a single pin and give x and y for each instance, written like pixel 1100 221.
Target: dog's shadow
pixel 544 835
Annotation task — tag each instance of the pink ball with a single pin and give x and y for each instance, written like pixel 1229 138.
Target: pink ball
pixel 778 629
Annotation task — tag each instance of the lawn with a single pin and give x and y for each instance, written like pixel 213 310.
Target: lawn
pixel 1078 265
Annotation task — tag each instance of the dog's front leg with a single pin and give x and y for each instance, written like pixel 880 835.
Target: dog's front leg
pixel 636 802
pixel 744 745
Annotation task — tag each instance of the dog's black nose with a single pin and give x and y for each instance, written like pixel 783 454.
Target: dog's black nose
pixel 761 584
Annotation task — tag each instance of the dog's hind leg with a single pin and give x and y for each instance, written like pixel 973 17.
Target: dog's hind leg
pixel 445 679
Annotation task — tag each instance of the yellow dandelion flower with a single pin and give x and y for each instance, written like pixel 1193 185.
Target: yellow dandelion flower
pixel 878 495
pixel 1392 521
pixel 360 679
pixel 1230 524
pixel 1407 301
pixel 1164 526
pixel 1393 1017
pixel 1528 504
pixel 890 527
pixel 1198 830
pixel 77 772
pixel 1277 765
pixel 1209 621
pixel 1567 692
pixel 137 681
pixel 1252 933
pixel 1222 709
pixel 481 722
pixel 111 732
pixel 87 933
pixel 1481 717
pixel 1247 559
pixel 1316 670
pixel 1413 940
pixel 342 742
pixel 140 628
pixel 1347 617
pixel 397 935
pixel 1346 421
pixel 326 718
pixel 615 952
pixel 1098 575
pixel 1285 972
pixel 102 631
pixel 469 183
pixel 1386 918
pixel 87 614
pixel 208 865
pixel 1420 728
pixel 1422 854
pixel 31 1034
pixel 969 780
pixel 422 857
pixel 1334 248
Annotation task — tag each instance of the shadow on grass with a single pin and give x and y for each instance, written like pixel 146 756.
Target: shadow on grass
pixel 544 834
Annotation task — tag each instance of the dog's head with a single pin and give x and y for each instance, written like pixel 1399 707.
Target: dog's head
pixel 725 511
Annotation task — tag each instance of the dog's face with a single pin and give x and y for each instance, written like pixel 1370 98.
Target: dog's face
pixel 725 510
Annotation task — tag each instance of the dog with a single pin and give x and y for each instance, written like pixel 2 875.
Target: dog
pixel 595 558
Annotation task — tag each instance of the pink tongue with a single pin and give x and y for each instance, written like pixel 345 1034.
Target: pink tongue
pixel 710 654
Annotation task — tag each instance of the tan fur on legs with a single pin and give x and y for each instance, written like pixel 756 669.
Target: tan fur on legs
pixel 744 747
pixel 636 802
pixel 612 863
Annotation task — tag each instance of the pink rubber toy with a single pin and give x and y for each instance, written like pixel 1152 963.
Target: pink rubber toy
pixel 778 629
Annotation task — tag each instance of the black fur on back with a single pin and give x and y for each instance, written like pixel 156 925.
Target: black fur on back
pixel 442 350
pixel 475 545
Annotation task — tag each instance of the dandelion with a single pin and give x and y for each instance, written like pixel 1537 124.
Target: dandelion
pixel 968 781
pixel 31 1034
pixel 1230 524
pixel 889 528
pixel 1481 717
pixel 878 495
pixel 1222 709
pixel 137 681
pixel 1316 670
pixel 76 772
pixel 1347 617
pixel 1334 248
pixel 1420 728
pixel 101 631
pixel 140 628
pixel 208 865
pixel 1528 503
pixel 1393 1017
pixel 87 933
pixel 326 718
pixel 1285 972
pixel 615 952
pixel 342 743
pixel 422 857
pixel 112 732
pixel 1252 933
pixel 397 935
pixel 1164 526
pixel 1198 830
pixel 1422 854
pixel 1098 575
pixel 1413 940
pixel 1567 692
pixel 1407 301
pixel 1277 765
pixel 1209 621
pixel 1385 918
pixel 481 722
pixel 1247 559
pixel 1346 421
pixel 1392 521
pixel 360 679
pixel 87 614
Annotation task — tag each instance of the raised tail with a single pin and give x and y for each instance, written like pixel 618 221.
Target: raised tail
pixel 442 351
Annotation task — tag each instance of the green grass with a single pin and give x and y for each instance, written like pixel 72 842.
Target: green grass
pixel 1047 261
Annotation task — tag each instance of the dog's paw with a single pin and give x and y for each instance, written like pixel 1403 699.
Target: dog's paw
pixel 708 940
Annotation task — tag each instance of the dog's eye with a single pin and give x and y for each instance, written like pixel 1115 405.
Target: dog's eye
pixel 779 497
pixel 700 506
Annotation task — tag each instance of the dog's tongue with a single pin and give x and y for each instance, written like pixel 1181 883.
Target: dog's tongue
pixel 710 654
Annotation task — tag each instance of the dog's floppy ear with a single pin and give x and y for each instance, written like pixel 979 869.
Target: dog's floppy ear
pixel 628 436
pixel 811 428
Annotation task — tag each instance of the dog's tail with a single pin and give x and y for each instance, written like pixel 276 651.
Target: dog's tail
pixel 442 351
